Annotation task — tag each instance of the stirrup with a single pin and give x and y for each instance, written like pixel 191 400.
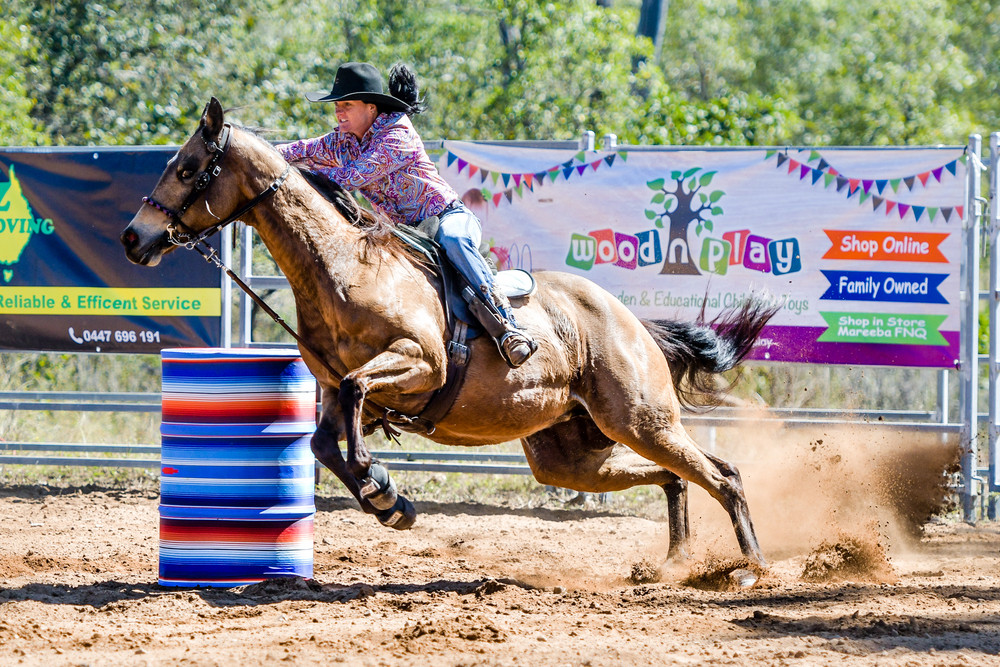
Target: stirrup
pixel 516 347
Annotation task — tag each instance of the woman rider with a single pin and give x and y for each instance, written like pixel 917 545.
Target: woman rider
pixel 375 150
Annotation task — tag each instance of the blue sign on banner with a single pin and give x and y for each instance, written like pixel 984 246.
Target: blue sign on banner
pixel 884 287
pixel 65 283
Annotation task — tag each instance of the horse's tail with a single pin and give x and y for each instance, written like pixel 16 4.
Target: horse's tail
pixel 697 352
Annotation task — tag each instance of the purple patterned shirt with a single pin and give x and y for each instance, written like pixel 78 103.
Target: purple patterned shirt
pixel 389 166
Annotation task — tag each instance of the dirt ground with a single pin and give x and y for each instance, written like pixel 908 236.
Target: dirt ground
pixel 481 584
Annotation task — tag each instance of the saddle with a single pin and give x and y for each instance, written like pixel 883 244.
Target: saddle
pixel 514 284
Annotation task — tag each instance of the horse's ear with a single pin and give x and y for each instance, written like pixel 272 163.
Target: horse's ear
pixel 212 118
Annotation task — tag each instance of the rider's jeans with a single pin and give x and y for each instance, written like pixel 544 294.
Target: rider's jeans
pixel 460 234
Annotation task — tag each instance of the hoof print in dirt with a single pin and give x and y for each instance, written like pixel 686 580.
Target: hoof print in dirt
pixel 644 572
pixel 729 575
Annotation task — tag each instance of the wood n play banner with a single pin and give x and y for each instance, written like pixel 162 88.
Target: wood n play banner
pixel 861 247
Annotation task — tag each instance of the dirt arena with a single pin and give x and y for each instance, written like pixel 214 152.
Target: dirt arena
pixel 856 577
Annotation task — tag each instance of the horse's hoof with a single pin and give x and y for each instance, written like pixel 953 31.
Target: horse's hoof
pixel 378 488
pixel 402 516
pixel 742 578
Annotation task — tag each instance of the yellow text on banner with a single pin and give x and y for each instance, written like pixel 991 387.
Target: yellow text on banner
pixel 149 301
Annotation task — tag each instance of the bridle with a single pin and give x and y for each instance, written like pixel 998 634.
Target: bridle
pixel 179 234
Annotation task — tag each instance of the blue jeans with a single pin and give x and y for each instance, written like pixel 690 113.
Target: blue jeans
pixel 459 235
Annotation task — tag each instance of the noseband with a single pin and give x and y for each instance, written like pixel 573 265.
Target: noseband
pixel 178 233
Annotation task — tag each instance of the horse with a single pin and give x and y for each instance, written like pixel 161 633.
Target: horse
pixel 597 408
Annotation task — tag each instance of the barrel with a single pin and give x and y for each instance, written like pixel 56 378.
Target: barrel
pixel 237 473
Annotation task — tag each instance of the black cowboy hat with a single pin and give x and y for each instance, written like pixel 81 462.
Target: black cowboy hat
pixel 359 81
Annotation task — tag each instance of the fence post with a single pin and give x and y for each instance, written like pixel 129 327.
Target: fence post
pixel 969 346
pixel 994 301
pixel 246 266
pixel 226 251
pixel 588 140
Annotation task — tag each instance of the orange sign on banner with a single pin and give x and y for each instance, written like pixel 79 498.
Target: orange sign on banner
pixel 886 246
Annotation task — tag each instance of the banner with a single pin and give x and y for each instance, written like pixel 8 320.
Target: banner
pixel 860 247
pixel 65 284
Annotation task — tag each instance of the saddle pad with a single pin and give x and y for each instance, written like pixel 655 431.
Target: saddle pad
pixel 516 283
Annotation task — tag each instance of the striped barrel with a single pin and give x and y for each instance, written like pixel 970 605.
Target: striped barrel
pixel 237 472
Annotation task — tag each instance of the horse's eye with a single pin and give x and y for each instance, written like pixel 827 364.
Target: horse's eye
pixel 185 174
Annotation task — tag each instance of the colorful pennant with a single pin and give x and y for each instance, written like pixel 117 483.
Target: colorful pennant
pixel 518 183
pixel 872 189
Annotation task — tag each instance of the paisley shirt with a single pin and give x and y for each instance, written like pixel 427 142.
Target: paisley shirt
pixel 389 166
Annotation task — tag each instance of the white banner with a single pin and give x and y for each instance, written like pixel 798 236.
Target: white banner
pixel 862 247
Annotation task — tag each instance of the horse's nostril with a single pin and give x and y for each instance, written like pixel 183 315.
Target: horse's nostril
pixel 129 238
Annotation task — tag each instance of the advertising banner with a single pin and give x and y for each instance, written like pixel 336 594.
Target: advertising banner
pixel 65 284
pixel 860 247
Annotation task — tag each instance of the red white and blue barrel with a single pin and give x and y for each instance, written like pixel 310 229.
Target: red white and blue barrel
pixel 237 474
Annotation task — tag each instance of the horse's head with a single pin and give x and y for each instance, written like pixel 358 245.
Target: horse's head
pixel 158 227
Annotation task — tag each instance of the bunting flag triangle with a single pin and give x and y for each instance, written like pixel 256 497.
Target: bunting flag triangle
pixel 854 183
pixel 864 197
pixel 580 156
pixel 528 178
pixel 880 185
pixel 804 171
pixel 554 175
pixel 582 168
pixel 924 177
pixel 610 159
pixel 509 195
pixel 876 202
pixel 931 213
pixel 833 171
pixel 782 158
pixel 937 174
pixel 909 180
pixel 961 215
pixel 903 209
pixel 946 212
pixel 770 153
pixel 495 176
pixel 594 165
pixel 496 198
pixel 793 165
pixel 461 165
pixel 482 175
pixel 623 155
pixel 540 178
pixel 451 158
pixel 889 205
pixel 519 190
pixel 827 179
pixel 812 156
pixel 817 174
pixel 917 212
pixel 841 183
pixel 823 165
pixel 567 172
pixel 506 179
pixel 952 166
pixel 894 182
pixel 472 170
pixel 867 185
pixel 517 179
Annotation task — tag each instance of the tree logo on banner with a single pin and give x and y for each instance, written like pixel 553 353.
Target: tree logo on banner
pixel 17 224
pixel 679 202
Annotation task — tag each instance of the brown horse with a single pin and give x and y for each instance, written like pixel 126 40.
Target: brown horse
pixel 596 408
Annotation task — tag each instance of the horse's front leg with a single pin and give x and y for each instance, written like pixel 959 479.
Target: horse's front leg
pixel 397 370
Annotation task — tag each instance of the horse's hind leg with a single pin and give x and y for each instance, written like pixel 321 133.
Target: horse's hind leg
pixel 662 439
pixel 575 455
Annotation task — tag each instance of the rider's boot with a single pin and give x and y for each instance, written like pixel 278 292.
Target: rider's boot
pixel 515 344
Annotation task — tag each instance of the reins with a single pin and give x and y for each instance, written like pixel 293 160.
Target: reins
pixel 179 234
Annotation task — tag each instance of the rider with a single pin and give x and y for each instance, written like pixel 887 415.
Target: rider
pixel 376 150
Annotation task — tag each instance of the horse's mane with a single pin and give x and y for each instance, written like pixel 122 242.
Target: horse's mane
pixel 376 229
